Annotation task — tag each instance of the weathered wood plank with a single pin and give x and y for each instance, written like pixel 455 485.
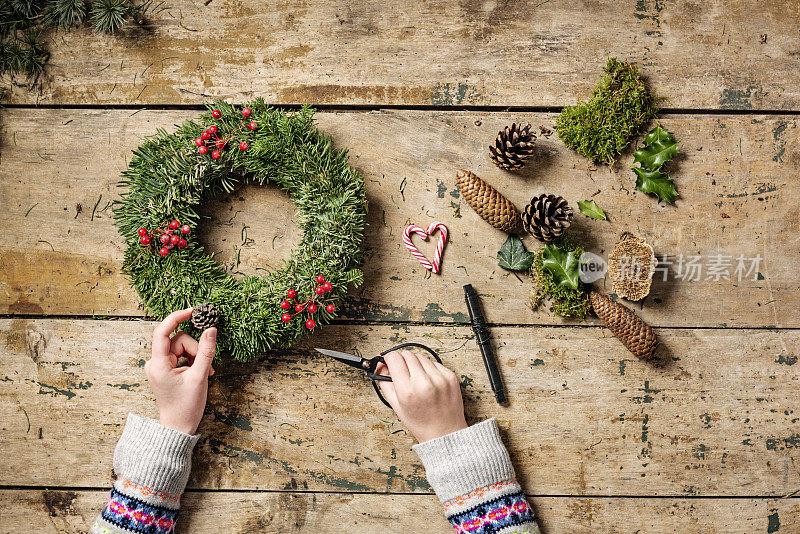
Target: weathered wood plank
pixel 58 511
pixel 734 178
pixel 585 417
pixel 710 55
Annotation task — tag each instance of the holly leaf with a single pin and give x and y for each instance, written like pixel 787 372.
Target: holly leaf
pixel 657 134
pixel 591 210
pixel 659 147
pixel 656 183
pixel 562 265
pixel 513 256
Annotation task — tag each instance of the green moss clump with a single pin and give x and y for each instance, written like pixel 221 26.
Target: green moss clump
pixel 566 302
pixel 602 128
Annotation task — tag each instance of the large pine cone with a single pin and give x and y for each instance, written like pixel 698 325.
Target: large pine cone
pixel 634 333
pixel 546 217
pixel 513 147
pixel 205 316
pixel 493 207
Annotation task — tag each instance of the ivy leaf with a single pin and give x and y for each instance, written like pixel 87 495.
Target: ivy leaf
pixel 656 183
pixel 659 147
pixel 513 255
pixel 591 210
pixel 562 265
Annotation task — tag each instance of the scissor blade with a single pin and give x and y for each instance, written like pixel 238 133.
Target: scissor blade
pixel 349 359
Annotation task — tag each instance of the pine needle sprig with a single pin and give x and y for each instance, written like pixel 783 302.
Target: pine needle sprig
pixel 26 8
pixel 64 14
pixel 22 50
pixel 108 16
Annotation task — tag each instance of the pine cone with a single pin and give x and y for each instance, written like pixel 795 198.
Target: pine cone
pixel 493 207
pixel 546 217
pixel 513 147
pixel 631 266
pixel 634 333
pixel 205 316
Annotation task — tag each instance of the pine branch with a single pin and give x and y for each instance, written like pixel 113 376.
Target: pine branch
pixel 64 14
pixel 108 16
pixel 26 8
pixel 22 51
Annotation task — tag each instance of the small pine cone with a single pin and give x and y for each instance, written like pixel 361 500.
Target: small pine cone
pixel 493 207
pixel 634 333
pixel 205 316
pixel 513 147
pixel 546 217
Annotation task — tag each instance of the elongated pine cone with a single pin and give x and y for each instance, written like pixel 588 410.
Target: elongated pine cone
pixel 546 217
pixel 493 207
pixel 513 147
pixel 634 333
pixel 205 316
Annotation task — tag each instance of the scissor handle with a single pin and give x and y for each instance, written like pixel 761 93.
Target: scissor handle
pixel 379 359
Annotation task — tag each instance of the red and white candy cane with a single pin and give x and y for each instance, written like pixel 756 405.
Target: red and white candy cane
pixel 434 266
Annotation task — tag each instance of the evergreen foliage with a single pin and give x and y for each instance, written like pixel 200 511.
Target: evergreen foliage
pixel 659 148
pixel 167 179
pixel 22 22
pixel 602 128
pixel 566 301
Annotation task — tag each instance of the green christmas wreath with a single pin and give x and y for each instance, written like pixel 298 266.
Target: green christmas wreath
pixel 171 174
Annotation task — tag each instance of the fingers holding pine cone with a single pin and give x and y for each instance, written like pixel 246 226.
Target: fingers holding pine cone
pixel 635 334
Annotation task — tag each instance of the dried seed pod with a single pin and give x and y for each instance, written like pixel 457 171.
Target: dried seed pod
pixel 631 266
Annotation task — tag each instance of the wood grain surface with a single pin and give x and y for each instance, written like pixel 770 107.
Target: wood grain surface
pixel 68 511
pixel 716 54
pixel 585 417
pixel 705 442
pixel 61 254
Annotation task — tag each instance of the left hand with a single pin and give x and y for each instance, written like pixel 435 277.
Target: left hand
pixel 181 392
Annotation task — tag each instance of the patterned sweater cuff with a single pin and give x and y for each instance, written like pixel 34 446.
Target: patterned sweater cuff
pixel 468 459
pixel 154 457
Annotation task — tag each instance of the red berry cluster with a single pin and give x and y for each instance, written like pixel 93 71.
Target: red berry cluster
pixel 209 140
pixel 311 305
pixel 168 236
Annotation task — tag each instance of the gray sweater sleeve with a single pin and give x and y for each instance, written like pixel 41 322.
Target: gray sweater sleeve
pixel 471 472
pixel 152 463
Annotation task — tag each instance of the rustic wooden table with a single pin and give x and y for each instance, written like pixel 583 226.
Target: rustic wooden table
pixel 416 90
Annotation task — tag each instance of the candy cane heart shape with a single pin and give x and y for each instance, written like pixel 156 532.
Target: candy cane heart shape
pixel 434 266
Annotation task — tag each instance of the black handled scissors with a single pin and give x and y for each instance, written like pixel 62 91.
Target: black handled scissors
pixel 371 364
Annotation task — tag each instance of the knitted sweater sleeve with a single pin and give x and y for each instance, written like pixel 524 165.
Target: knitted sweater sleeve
pixel 152 463
pixel 471 472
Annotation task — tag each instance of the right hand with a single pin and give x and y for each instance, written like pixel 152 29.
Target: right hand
pixel 181 392
pixel 424 394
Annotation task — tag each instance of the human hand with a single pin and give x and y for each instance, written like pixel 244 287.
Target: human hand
pixel 424 394
pixel 181 392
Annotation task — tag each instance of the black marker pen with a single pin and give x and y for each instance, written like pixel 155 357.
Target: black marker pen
pixel 484 342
